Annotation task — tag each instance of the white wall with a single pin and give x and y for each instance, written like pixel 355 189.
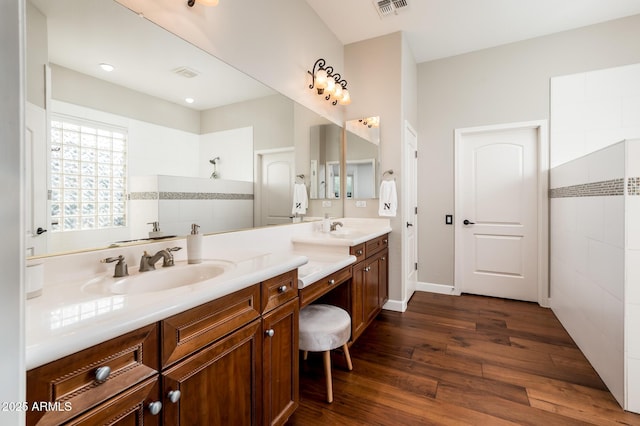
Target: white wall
pixel 505 84
pixel 12 249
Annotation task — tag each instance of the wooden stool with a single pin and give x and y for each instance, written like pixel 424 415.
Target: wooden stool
pixel 321 329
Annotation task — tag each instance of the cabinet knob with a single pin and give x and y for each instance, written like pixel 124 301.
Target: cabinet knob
pixel 385 241
pixel 174 396
pixel 155 407
pixel 358 252
pixel 102 373
pixel 367 269
pixel 383 258
pixel 270 332
pixel 282 289
pixel 332 281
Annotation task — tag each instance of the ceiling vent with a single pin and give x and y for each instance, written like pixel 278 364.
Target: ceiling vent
pixel 389 7
pixel 186 72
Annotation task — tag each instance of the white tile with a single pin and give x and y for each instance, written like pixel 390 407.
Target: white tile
pixel 632 320
pixel 630 79
pixel 591 218
pixel 606 267
pixel 631 111
pixel 605 84
pixel 633 158
pixel 574 172
pixel 598 139
pixel 632 279
pixel 612 323
pixel 607 163
pixel 568 88
pixel 614 221
pixel 632 224
pixel 566 146
pixel 601 114
pixel 633 385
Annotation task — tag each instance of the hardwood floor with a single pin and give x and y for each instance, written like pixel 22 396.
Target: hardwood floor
pixel 460 360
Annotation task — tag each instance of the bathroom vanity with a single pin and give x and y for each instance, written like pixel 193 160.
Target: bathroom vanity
pixel 221 351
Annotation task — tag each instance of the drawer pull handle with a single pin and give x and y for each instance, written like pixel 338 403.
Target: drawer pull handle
pixel 385 241
pixel 270 332
pixel 102 373
pixel 367 269
pixel 383 258
pixel 358 252
pixel 282 289
pixel 155 407
pixel 332 281
pixel 174 396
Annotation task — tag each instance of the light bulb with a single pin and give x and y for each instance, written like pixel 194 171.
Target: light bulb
pixel 331 85
pixel 321 80
pixel 346 98
pixel 208 2
pixel 338 92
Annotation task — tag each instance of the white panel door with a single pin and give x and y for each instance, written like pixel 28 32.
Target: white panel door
pixel 276 189
pixel 410 212
pixel 497 219
pixel 36 200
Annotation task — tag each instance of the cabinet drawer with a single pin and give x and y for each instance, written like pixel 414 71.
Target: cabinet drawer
pixel 129 408
pixel 194 329
pixel 323 286
pixel 278 290
pixel 377 244
pixel 71 381
pixel 358 252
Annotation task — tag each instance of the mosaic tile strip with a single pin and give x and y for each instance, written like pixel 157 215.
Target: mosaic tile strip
pixel 633 186
pixel 188 196
pixel 594 189
pixel 203 196
pixel 143 196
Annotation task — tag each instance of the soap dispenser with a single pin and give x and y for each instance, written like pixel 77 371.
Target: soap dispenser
pixel 326 223
pixel 156 233
pixel 194 245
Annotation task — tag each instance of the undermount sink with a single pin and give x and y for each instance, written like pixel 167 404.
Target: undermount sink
pixel 182 274
pixel 346 232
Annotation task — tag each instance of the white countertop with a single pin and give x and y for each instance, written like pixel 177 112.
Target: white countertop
pixel 66 319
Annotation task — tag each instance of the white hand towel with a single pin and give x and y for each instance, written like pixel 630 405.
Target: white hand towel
pixel 388 198
pixel 300 199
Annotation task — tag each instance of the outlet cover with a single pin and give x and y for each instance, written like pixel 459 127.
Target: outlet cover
pixel 361 203
pixel 326 204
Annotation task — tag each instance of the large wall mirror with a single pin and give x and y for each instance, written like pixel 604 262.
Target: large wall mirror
pixel 167 134
pixel 363 173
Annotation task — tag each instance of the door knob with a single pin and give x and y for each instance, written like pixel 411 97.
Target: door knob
pixel 409 224
pixel 466 222
pixel 40 231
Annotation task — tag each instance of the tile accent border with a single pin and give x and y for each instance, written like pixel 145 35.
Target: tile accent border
pixel 595 189
pixel 188 196
pixel 633 186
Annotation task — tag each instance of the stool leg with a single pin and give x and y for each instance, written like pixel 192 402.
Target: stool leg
pixel 327 373
pixel 305 354
pixel 347 356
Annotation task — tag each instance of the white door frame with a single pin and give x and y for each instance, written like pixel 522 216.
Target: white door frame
pixel 543 199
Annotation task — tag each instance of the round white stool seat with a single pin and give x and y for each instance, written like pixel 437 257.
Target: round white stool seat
pixel 323 328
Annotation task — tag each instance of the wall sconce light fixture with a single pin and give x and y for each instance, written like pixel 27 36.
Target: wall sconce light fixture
pixel 329 83
pixel 190 3
pixel 370 121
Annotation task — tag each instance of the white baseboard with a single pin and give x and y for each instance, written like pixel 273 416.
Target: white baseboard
pixel 437 288
pixel 395 305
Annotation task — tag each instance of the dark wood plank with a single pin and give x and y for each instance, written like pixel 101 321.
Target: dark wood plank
pixel 460 360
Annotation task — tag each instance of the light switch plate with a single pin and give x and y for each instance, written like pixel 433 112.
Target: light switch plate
pixel 326 204
pixel 361 203
pixel 448 219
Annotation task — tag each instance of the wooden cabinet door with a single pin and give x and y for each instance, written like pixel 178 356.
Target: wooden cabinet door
pixel 280 363
pixel 371 298
pixel 358 321
pixel 131 408
pixel 220 385
pixel 383 278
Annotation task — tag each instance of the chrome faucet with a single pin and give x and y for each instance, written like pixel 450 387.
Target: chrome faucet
pixel 148 262
pixel 335 225
pixel 121 267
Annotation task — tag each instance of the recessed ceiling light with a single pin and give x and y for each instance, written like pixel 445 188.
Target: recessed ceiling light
pixel 189 100
pixel 107 67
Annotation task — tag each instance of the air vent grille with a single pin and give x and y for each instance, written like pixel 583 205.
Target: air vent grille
pixel 186 72
pixel 389 7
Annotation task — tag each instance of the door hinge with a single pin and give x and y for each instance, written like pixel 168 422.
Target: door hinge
pixel 416 210
pixel 416 153
pixel 416 265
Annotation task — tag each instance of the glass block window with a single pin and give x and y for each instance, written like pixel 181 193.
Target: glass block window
pixel 88 175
